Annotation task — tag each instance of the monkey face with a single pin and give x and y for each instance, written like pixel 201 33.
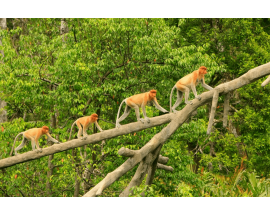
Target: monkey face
pixel 94 117
pixel 202 70
pixel 153 94
pixel 45 129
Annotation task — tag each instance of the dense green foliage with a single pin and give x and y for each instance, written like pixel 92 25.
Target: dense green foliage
pixel 49 78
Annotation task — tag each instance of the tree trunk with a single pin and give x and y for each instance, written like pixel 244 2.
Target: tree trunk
pixel 3 112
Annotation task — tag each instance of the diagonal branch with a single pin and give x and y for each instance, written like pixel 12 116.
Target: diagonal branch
pixel 213 111
pixel 175 120
pixel 226 109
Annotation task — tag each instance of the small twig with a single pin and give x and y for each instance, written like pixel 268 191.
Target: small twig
pixel 19 190
pixel 233 108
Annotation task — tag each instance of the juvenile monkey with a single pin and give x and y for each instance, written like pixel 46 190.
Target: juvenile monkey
pixel 186 83
pixel 33 135
pixel 137 101
pixel 85 122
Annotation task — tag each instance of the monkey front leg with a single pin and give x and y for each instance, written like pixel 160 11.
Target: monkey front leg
pixel 34 143
pixel 84 132
pixel 158 106
pixel 97 125
pixel 193 87
pixel 186 96
pixel 206 86
pixel 144 114
pixel 50 138
pixel 137 111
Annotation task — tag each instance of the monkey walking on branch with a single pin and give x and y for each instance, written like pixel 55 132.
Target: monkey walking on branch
pixel 33 135
pixel 137 101
pixel 186 83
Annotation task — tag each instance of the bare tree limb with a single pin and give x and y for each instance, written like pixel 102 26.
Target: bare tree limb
pixel 141 171
pixel 94 138
pixel 266 82
pixel 161 166
pixel 226 109
pixel 176 120
pixel 213 111
pixel 163 160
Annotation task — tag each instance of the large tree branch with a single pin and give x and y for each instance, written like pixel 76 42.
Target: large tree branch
pixel 94 138
pixel 176 120
pixel 180 118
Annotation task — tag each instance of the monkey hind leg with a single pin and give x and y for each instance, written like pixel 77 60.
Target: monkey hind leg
pixel 178 101
pixel 79 134
pixel 126 113
pixel 185 90
pixel 23 143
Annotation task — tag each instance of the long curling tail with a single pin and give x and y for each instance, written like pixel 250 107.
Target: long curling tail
pixel 171 99
pixel 71 130
pixel 119 111
pixel 15 142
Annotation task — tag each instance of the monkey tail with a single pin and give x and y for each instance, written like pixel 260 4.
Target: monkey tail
pixel 15 142
pixel 71 130
pixel 119 110
pixel 171 99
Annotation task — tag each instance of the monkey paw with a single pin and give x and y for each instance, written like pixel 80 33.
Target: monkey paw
pixel 118 125
pixel 147 119
pixel 39 150
pixel 142 120
pixel 84 138
pixel 175 111
pixel 189 102
pixel 199 97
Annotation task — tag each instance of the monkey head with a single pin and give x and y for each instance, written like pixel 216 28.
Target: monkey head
pixel 45 129
pixel 152 93
pixel 94 117
pixel 202 70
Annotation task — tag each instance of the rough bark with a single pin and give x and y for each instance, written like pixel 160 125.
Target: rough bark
pixel 94 138
pixel 163 160
pixel 3 112
pixel 141 171
pixel 226 109
pixel 152 168
pixel 266 81
pixel 180 117
pixel 3 25
pixel 161 166
pixel 176 121
pixel 49 174
pixel 213 111
pixel 63 29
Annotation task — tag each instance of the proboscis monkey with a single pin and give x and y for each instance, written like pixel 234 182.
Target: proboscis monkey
pixel 33 135
pixel 137 101
pixel 186 83
pixel 85 122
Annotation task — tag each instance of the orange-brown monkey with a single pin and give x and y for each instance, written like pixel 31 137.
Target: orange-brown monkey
pixel 137 101
pixel 33 135
pixel 186 83
pixel 85 122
